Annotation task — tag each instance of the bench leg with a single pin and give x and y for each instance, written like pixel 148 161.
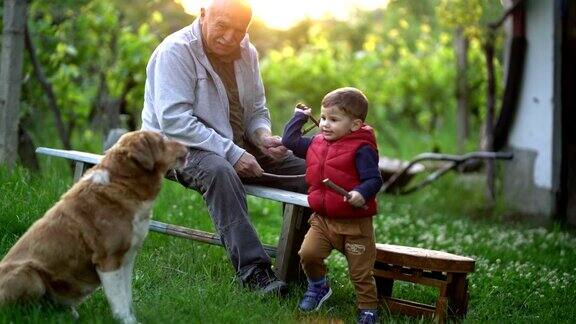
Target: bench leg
pixel 441 304
pixel 384 286
pixel 79 170
pixel 458 295
pixel 294 227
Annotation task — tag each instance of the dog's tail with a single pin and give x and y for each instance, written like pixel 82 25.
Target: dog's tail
pixel 20 282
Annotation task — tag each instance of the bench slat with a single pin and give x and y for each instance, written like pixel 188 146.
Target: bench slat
pixel 71 155
pixel 197 235
pixel 278 195
pixel 254 190
pixel 402 306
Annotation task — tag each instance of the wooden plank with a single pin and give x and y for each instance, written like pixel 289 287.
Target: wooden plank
pixel 71 155
pixel 410 278
pixel 423 258
pixel 254 190
pixel 284 196
pixel 196 235
pixel 411 271
pixel 396 305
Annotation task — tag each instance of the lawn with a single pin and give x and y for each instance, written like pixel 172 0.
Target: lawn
pixel 524 272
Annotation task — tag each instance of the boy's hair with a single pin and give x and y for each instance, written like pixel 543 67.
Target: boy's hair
pixel 350 100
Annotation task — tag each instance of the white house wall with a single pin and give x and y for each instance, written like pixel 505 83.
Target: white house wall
pixel 533 127
pixel 528 180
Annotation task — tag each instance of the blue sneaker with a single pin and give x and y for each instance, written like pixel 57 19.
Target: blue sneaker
pixel 368 316
pixel 315 296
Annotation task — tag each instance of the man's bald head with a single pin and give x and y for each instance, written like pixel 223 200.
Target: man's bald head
pixel 224 24
pixel 240 7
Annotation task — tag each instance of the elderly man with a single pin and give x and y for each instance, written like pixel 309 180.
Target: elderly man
pixel 204 89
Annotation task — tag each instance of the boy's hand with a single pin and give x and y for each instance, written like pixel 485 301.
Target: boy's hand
pixel 303 109
pixel 355 199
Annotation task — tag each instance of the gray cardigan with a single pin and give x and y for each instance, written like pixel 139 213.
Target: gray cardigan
pixel 185 100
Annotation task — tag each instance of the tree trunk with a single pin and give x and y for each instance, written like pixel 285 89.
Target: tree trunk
pixel 14 22
pixel 110 114
pixel 106 109
pixel 462 126
pixel 490 103
pixel 27 150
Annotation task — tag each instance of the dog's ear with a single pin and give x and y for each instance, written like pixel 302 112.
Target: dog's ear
pixel 142 152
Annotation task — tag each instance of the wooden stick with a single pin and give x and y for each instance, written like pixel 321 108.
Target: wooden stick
pixel 283 176
pixel 305 131
pixel 304 107
pixel 338 189
pixel 314 120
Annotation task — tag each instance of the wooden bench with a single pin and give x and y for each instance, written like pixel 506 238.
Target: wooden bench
pixel 442 270
pixel 293 229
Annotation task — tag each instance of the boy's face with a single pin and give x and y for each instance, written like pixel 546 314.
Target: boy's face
pixel 335 123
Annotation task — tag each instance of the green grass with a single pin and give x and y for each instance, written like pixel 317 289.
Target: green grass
pixel 523 273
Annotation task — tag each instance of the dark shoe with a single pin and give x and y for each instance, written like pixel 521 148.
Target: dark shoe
pixel 265 281
pixel 314 297
pixel 368 316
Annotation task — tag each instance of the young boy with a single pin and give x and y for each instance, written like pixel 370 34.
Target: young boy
pixel 345 152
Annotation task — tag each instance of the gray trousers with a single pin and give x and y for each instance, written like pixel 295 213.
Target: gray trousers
pixel 223 191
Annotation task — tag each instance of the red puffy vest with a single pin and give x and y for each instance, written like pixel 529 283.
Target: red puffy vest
pixel 336 161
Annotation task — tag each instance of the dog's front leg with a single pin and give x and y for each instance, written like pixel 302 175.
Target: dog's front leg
pixel 118 293
pixel 128 269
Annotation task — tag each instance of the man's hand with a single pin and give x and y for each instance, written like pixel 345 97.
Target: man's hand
pixel 247 166
pixel 270 145
pixel 355 199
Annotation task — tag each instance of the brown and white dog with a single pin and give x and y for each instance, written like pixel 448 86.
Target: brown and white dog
pixel 91 236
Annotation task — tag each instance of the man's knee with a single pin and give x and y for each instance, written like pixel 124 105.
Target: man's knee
pixel 215 168
pixel 219 170
pixel 205 169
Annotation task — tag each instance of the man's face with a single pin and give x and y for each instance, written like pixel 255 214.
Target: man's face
pixel 224 26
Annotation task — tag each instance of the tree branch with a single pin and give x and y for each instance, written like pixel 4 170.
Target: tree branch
pixel 47 87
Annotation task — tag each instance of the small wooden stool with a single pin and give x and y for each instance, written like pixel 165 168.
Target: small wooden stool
pixel 443 270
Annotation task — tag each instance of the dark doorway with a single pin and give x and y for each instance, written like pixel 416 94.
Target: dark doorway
pixel 567 197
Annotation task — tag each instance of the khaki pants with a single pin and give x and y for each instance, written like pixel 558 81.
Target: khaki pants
pixel 352 237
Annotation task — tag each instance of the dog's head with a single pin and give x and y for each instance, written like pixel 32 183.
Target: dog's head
pixel 147 151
